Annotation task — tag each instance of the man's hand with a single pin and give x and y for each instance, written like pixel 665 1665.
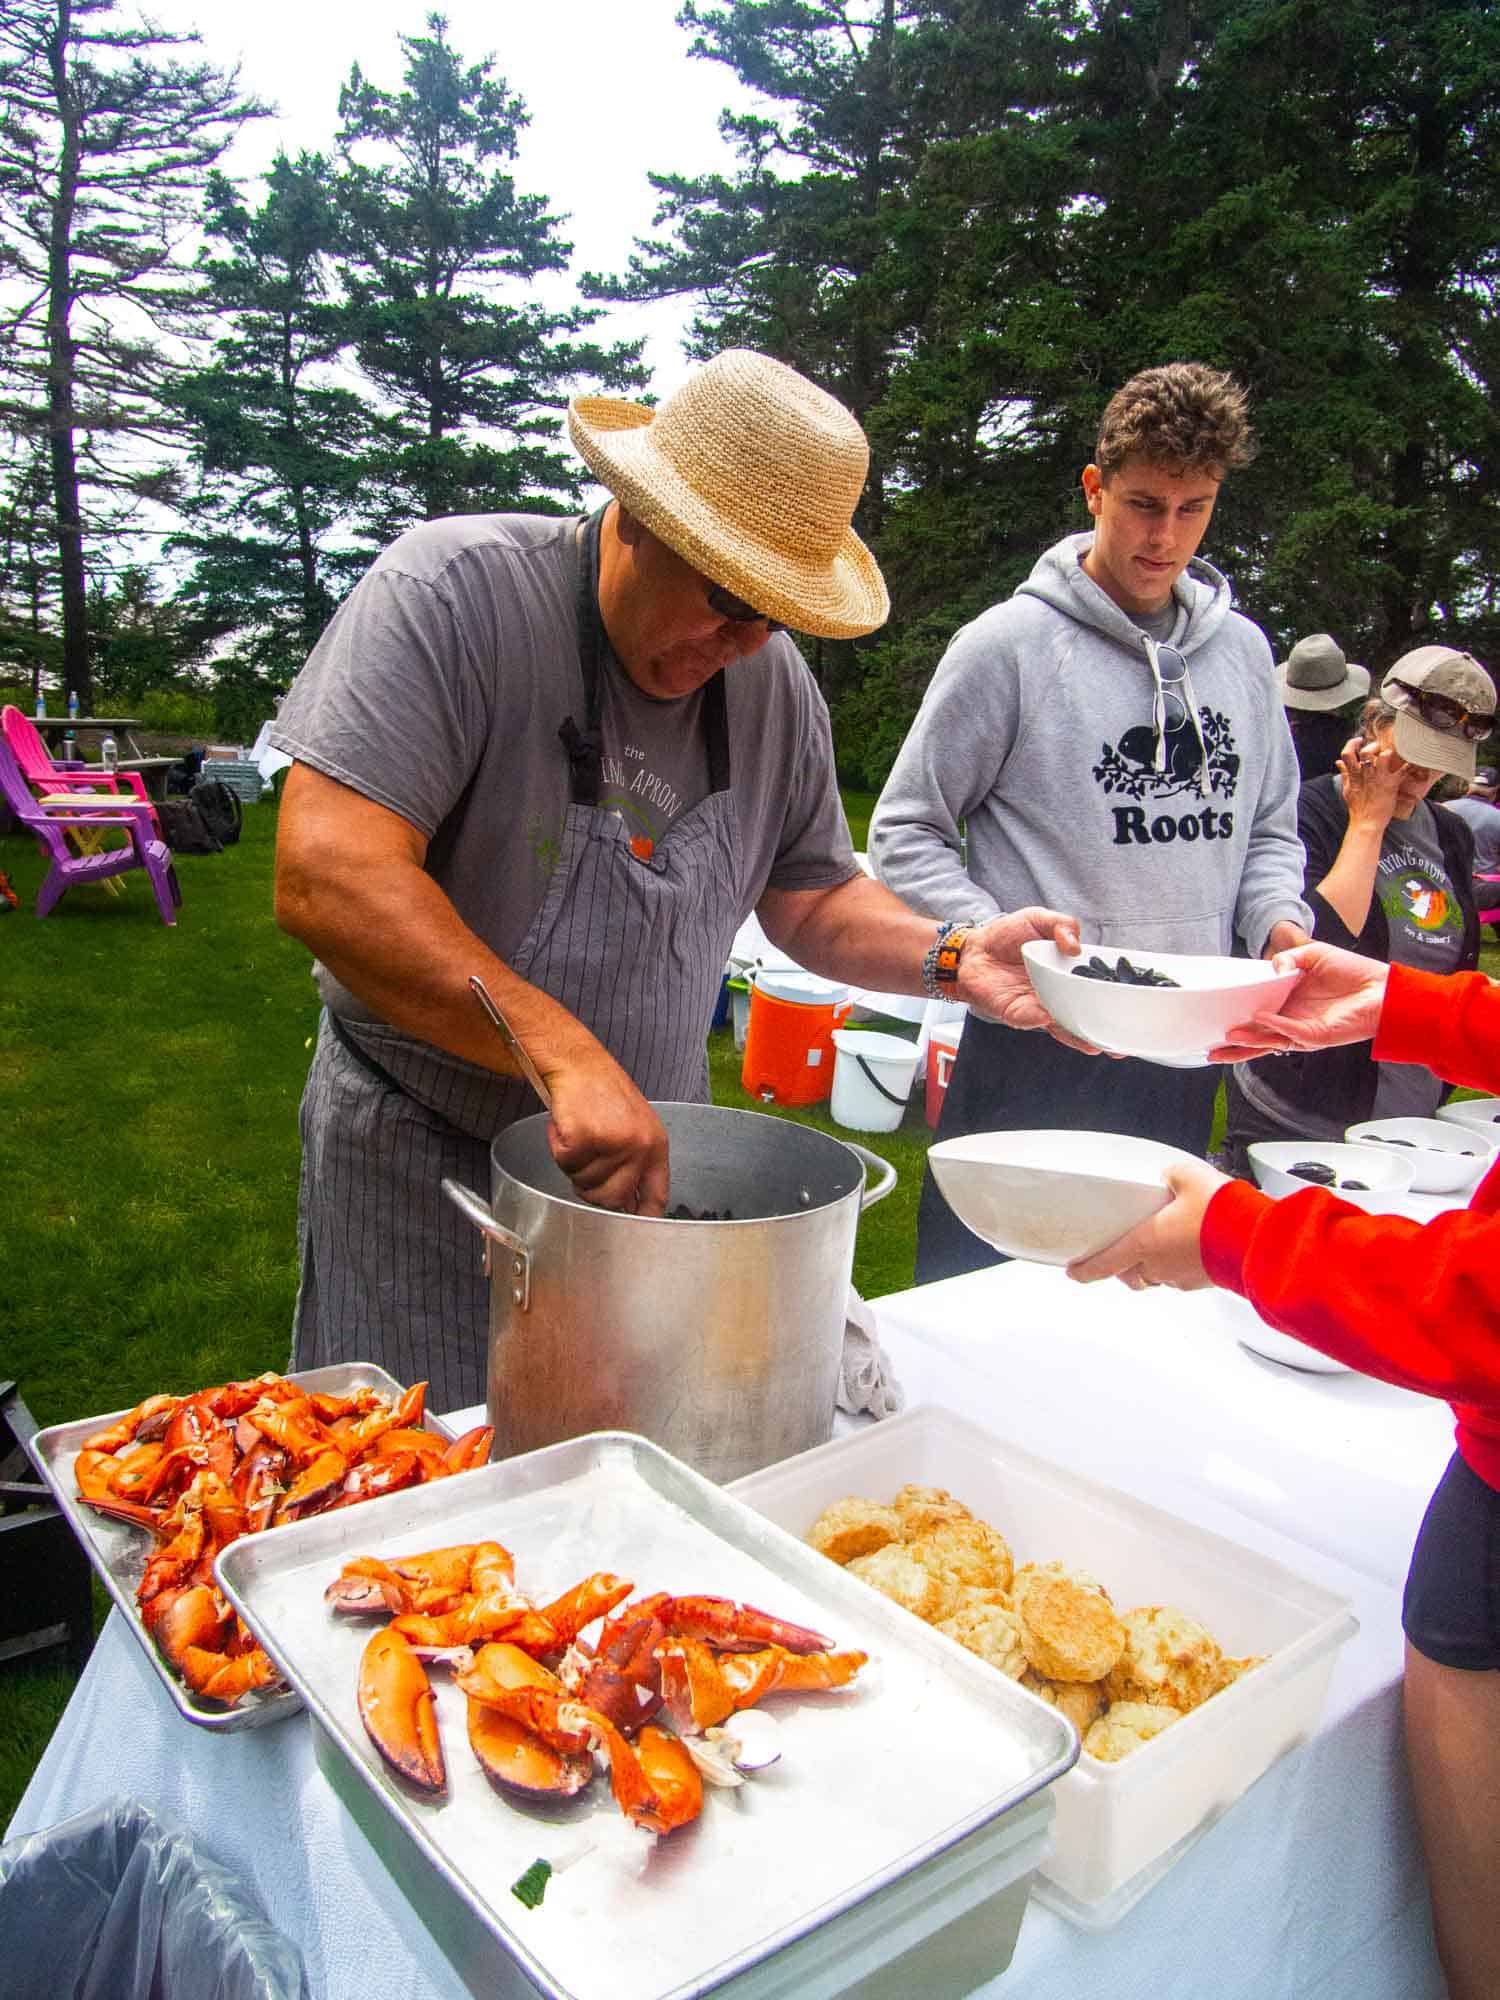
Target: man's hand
pixel 604 1135
pixel 1337 999
pixel 1285 936
pixel 1163 1250
pixel 992 975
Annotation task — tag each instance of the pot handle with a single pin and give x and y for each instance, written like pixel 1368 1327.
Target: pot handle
pixel 479 1213
pixel 885 1176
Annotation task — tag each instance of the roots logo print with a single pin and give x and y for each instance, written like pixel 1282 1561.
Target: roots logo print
pixel 1129 766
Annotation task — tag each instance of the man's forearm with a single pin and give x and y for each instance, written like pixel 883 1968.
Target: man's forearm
pixel 857 931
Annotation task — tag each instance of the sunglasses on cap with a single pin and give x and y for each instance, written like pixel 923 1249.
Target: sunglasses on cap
pixel 1448 717
pixel 735 609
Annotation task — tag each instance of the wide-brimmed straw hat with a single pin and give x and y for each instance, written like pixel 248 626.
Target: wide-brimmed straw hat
pixel 751 473
pixel 1315 675
pixel 1463 688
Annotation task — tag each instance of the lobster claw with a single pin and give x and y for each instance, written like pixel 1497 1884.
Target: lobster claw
pixel 398 1711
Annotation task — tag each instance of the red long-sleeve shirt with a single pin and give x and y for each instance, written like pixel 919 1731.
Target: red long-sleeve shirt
pixel 1413 1303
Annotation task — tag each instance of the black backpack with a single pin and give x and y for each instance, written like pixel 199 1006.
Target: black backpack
pixel 221 809
pixel 185 828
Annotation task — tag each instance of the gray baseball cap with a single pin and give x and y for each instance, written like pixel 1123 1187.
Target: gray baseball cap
pixel 1441 696
pixel 1315 675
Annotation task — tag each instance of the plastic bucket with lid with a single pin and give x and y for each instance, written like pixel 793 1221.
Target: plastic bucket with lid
pixel 789 1040
pixel 942 1047
pixel 872 1079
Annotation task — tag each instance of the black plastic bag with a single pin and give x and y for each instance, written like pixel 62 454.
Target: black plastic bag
pixel 117 1904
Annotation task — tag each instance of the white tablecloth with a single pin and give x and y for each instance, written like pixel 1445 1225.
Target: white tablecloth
pixel 1310 1886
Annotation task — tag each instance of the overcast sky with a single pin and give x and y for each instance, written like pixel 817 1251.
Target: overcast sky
pixel 609 85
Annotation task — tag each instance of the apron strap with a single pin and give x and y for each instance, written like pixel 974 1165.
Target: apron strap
pixel 585 747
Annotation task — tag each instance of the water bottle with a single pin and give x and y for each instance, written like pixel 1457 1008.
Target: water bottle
pixel 108 753
pixel 41 702
pixel 72 704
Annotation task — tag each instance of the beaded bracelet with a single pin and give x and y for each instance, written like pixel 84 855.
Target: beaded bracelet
pixel 940 963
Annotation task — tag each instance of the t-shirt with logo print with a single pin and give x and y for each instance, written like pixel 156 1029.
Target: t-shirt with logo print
pixel 1426 932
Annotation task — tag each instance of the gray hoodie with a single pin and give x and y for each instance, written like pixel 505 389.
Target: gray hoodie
pixel 1037 737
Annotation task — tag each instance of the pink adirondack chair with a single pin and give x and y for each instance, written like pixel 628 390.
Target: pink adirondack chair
pixel 69 774
pixel 51 825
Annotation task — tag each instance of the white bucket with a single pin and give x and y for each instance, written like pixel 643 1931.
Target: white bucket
pixel 872 1076
pixel 739 1013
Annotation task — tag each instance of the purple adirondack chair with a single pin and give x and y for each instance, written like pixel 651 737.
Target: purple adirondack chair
pixel 50 825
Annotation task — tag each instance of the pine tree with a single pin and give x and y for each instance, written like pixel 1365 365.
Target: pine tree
pixel 278 442
pixel 105 138
pixel 439 253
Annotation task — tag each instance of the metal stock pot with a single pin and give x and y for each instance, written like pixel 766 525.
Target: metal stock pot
pixel 721 1341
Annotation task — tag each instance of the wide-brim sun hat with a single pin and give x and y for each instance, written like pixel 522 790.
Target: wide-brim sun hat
pixel 751 473
pixel 1315 675
pixel 1458 677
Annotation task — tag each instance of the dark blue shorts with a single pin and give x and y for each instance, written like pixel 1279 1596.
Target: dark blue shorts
pixel 1451 1611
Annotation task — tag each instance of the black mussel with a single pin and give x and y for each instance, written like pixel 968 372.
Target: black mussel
pixel 1122 972
pixel 1383 1139
pixel 1350 1187
pixel 682 1213
pixel 1315 1171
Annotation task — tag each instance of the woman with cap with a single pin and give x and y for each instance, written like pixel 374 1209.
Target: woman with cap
pixel 517 754
pixel 1318 685
pixel 1387 876
pixel 1417 1304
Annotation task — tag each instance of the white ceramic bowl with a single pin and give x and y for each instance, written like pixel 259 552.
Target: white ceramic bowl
pixel 1385 1170
pixel 1443 1156
pixel 1239 1318
pixel 1174 1025
pixel 1482 1113
pixel 1052 1196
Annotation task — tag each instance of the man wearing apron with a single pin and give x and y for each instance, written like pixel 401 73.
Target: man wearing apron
pixel 517 755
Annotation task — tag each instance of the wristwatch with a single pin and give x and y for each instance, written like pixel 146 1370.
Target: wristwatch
pixel 940 964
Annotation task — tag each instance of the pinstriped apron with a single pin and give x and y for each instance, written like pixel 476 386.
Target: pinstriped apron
pixel 635 949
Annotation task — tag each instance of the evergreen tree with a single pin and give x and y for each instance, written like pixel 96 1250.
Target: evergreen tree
pixel 433 228
pixel 278 443
pixel 105 138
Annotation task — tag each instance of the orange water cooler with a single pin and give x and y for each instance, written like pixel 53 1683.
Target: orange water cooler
pixel 789 1052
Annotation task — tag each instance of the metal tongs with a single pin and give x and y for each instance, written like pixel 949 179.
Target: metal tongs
pixel 508 1035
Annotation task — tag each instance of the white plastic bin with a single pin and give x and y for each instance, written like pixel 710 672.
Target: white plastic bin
pixel 872 1077
pixel 1118 1826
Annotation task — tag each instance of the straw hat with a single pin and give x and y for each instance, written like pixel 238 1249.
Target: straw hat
pixel 751 473
pixel 1315 675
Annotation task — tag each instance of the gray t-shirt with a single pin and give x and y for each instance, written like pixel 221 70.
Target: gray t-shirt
pixel 438 690
pixel 1483 821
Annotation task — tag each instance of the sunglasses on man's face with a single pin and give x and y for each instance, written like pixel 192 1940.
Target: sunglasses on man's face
pixel 735 609
pixel 1448 717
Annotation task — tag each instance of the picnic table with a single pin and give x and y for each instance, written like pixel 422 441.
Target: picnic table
pixel 153 770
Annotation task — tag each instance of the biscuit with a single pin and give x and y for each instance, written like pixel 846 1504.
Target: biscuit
pixel 852 1527
pixel 1021 1581
pixel 923 1507
pixel 1070 1631
pixel 896 1575
pixel 1230 1670
pixel 1082 1702
pixel 1124 1727
pixel 1169 1660
pixel 992 1632
pixel 971 1553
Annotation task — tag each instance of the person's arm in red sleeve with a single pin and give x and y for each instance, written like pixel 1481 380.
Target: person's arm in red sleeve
pixel 1451 1024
